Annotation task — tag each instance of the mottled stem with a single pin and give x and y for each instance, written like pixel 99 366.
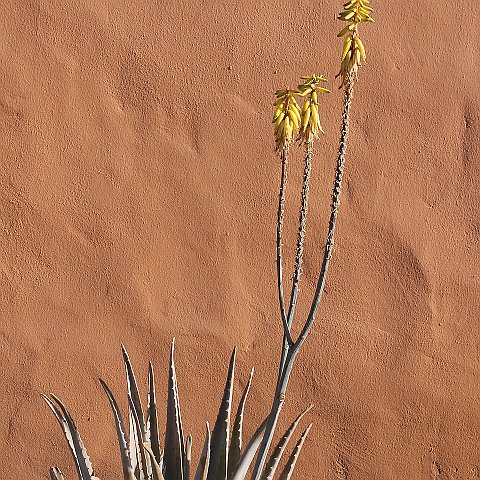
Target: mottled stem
pixel 301 231
pixel 337 186
pixel 288 342
pixel 293 351
pixel 299 253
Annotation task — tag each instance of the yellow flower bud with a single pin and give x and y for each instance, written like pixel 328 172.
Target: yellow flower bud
pixel 286 118
pixel 310 121
pixel 355 12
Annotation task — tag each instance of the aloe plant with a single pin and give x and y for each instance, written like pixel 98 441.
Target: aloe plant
pixel 289 120
pixel 223 456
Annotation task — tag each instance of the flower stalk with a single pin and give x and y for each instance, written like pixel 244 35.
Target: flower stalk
pixel 355 12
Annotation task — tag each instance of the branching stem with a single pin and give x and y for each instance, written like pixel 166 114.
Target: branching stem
pixel 280 215
pixel 301 231
pixel 337 186
pixel 299 253
pixel 292 352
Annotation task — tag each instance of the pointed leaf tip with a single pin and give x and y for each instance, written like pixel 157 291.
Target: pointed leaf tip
pixel 133 392
pixel 78 451
pixel 219 444
pixel 174 452
pixel 56 474
pixel 152 416
pixel 121 435
pixel 279 450
pixel 237 431
pixel 292 461
pixel 203 464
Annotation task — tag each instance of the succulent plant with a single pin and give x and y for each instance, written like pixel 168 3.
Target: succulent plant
pixel 289 119
pixel 223 456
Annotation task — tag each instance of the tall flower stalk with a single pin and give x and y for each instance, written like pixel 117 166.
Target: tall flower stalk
pixel 309 128
pixel 355 12
pixel 287 120
pixel 223 456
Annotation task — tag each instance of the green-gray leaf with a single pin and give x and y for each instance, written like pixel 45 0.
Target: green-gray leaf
pixel 236 443
pixel 156 468
pixel 121 435
pixel 174 454
pixel 56 474
pixel 249 453
pixel 82 461
pixel 133 391
pixel 276 456
pixel 143 462
pixel 152 418
pixel 292 461
pixel 219 444
pixel 202 469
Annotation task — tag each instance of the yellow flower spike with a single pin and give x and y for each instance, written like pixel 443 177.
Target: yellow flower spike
pixel 286 118
pixel 355 12
pixel 310 124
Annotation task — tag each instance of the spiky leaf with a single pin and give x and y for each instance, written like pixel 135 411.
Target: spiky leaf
pixel 219 444
pixel 133 391
pixel 249 453
pixel 121 435
pixel 152 417
pixel 143 464
pixel 66 430
pixel 236 443
pixel 156 467
pixel 56 474
pixel 174 445
pixel 82 461
pixel 292 461
pixel 276 456
pixel 202 469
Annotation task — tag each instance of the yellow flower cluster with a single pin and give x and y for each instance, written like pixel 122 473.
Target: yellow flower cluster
pixel 310 125
pixel 286 118
pixel 354 12
pixel 289 120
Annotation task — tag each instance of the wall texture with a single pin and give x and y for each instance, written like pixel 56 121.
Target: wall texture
pixel 138 190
